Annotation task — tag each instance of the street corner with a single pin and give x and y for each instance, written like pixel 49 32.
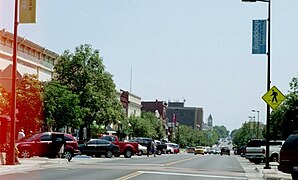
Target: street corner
pixel 275 174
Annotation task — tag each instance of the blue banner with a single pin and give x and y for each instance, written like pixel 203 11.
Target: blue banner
pixel 259 36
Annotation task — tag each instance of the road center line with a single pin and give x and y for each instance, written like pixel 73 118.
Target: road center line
pixel 192 175
pixel 176 162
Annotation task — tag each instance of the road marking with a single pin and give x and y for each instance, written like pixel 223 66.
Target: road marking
pixel 176 162
pixel 129 176
pixel 193 175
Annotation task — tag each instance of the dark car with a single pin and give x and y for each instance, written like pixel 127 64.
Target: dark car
pixel 225 150
pixel 288 162
pixel 47 144
pixel 98 147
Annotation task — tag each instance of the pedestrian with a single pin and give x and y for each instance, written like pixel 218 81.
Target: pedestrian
pixel 153 148
pixel 148 148
pixel 21 134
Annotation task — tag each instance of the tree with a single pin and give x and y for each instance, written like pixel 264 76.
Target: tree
pixel 284 118
pixel 84 74
pixel 156 124
pixel 61 107
pixel 221 131
pixel 4 102
pixel 29 103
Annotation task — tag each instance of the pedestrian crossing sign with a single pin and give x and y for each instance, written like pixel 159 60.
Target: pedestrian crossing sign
pixel 273 97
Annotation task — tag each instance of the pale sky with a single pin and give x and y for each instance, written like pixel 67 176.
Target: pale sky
pixel 195 50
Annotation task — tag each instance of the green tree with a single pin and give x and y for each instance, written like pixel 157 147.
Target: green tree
pixel 29 103
pixel 221 131
pixel 284 119
pixel 4 102
pixel 156 124
pixel 61 107
pixel 84 74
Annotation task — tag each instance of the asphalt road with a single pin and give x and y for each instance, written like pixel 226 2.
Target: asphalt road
pixel 165 167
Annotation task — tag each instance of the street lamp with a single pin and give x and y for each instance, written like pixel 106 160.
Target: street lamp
pixel 268 81
pixel 258 123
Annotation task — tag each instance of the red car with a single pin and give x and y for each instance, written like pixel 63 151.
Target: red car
pixel 47 144
pixel 175 147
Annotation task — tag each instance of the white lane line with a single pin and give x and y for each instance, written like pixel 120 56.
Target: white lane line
pixel 193 175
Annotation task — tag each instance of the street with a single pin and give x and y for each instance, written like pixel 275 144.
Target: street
pixel 179 166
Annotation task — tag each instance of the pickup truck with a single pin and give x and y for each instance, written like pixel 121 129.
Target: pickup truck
pixel 256 150
pixel 126 148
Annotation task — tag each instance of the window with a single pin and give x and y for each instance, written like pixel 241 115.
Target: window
pixel 46 137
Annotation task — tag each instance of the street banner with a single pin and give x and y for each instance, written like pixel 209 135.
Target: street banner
pixel 27 11
pixel 259 36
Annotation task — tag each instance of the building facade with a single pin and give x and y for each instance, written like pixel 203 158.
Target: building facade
pixel 190 116
pixel 31 59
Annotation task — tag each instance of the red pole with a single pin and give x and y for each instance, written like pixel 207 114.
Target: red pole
pixel 11 161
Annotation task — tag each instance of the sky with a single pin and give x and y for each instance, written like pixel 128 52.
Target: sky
pixel 174 50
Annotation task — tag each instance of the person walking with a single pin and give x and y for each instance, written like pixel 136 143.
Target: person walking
pixel 148 148
pixel 21 134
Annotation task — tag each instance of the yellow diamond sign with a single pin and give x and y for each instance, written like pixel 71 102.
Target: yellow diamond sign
pixel 274 97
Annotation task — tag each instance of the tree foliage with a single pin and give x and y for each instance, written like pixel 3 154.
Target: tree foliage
pixel 4 101
pixel 221 131
pixel 84 74
pixel 29 103
pixel 284 119
pixel 192 137
pixel 61 106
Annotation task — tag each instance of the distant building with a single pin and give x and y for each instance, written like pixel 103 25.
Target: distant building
pixel 190 116
pixel 210 122
pixel 131 103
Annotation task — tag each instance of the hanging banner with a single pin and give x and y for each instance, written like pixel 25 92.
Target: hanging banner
pixel 27 11
pixel 259 36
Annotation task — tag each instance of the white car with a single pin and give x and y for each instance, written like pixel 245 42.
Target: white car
pixel 170 149
pixel 142 150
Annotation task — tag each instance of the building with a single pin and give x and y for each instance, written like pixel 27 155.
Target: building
pixel 31 59
pixel 131 103
pixel 190 116
pixel 210 121
pixel 159 108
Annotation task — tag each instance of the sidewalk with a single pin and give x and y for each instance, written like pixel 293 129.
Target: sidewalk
pixel 34 163
pixel 257 171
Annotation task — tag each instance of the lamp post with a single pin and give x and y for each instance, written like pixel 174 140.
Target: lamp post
pixel 268 81
pixel 258 122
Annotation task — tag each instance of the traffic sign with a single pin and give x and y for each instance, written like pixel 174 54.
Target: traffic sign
pixel 273 97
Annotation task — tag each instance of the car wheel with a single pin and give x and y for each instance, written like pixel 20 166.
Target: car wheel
pixel 109 154
pixel 140 153
pixel 257 161
pixel 274 158
pixel 294 175
pixel 158 152
pixel 68 155
pixel 25 153
pixel 128 153
pixel 117 155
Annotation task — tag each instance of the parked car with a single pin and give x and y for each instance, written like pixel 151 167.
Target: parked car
pixel 288 161
pixel 170 149
pixel 161 147
pixel 47 144
pixel 126 148
pixel 199 150
pixel 175 147
pixel 142 150
pixel 98 147
pixel 190 149
pixel 225 150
